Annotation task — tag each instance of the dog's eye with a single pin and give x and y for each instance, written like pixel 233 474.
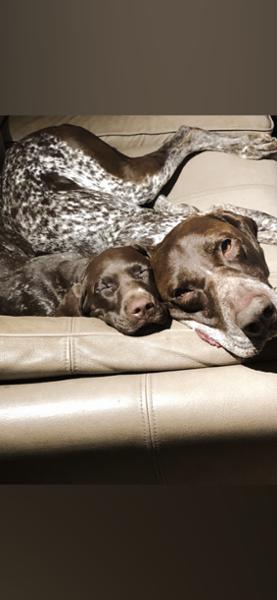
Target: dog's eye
pixel 104 286
pixel 181 290
pixel 231 248
pixel 139 271
pixel 226 245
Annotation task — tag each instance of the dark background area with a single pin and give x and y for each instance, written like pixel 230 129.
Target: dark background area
pixel 136 543
pixel 138 57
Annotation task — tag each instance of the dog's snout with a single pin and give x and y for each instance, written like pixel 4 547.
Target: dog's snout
pixel 140 306
pixel 257 317
pixel 269 312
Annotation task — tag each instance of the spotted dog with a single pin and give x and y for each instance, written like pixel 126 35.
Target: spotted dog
pixel 64 189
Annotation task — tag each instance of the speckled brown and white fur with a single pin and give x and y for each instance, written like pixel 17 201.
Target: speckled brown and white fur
pixel 60 194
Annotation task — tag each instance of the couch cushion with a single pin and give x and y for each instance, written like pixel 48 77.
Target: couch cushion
pixel 34 347
pixel 140 134
pixel 218 178
pixel 42 347
pixel 147 410
pixel 213 426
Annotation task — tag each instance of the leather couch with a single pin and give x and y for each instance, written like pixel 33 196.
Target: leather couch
pixel 80 402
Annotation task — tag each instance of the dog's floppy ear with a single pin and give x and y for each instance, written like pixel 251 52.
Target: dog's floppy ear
pixel 246 224
pixel 143 249
pixel 70 306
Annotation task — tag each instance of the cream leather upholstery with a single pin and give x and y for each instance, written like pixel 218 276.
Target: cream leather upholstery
pixel 180 403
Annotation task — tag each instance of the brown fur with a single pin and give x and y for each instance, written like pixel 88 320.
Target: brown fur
pixel 117 287
pixel 211 270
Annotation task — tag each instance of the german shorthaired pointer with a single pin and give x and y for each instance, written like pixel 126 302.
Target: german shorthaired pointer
pixel 117 286
pixel 35 285
pixel 211 273
pixel 64 189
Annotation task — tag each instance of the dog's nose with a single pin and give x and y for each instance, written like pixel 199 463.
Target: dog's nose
pixel 259 323
pixel 140 307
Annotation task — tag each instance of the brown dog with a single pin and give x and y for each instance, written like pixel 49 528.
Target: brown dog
pixel 118 287
pixel 211 272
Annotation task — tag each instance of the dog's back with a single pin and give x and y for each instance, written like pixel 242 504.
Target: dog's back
pixel 35 285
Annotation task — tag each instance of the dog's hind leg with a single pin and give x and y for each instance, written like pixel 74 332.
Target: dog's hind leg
pixel 151 172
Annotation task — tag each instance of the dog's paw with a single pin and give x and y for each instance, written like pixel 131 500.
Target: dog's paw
pixel 183 134
pixel 258 146
pixel 166 207
pixel 161 202
pixel 186 210
pixel 184 129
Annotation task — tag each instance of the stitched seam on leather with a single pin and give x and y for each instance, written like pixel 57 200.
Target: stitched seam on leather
pixel 152 426
pixel 146 430
pixel 69 337
pixel 155 429
pixel 266 129
pixel 73 346
pixel 146 424
pixel 65 354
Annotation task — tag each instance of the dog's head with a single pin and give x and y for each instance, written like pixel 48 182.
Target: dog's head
pixel 211 272
pixel 118 287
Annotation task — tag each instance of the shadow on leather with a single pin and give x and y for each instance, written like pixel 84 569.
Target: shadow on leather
pixel 267 360
pixel 234 461
pixel 111 466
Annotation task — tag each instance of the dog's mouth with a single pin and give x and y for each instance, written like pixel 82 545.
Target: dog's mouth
pixel 234 336
pixel 207 338
pixel 149 328
pixel 233 340
pixel 159 320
